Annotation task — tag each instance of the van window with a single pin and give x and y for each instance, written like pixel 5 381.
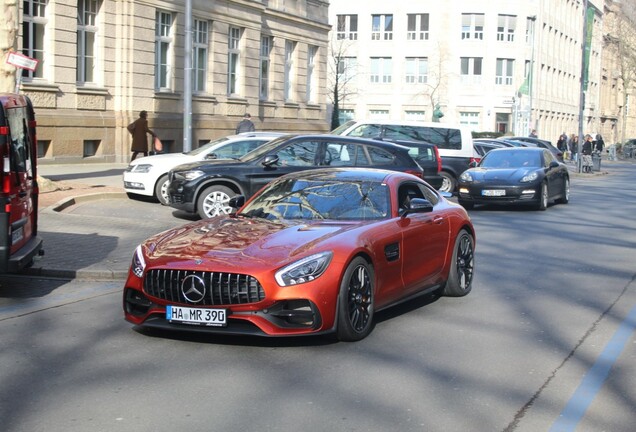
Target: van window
pixel 443 138
pixel 367 131
pixel 20 158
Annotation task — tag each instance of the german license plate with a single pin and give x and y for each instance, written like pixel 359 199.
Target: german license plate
pixel 493 192
pixel 17 235
pixel 197 316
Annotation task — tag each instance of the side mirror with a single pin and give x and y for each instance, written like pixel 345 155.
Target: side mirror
pixel 270 159
pixel 554 164
pixel 237 201
pixel 418 205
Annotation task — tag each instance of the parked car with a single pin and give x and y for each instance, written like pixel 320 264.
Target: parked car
pixel 317 251
pixel 536 142
pixel 484 145
pixel 525 175
pixel 454 142
pixel 427 156
pixel 629 148
pixel 149 175
pixel 206 187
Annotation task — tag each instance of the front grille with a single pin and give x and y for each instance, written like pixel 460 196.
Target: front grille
pixel 220 288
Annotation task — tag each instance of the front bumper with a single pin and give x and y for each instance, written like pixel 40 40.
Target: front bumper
pixel 516 194
pixel 137 183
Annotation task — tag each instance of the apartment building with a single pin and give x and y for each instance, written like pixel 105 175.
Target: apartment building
pixel 101 62
pixel 501 66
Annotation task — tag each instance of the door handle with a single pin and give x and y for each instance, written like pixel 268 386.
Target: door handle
pixel 438 220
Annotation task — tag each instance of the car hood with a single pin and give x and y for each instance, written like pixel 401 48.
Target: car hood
pixel 239 243
pixel 496 174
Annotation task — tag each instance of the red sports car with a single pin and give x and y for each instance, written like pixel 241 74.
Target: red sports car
pixel 313 252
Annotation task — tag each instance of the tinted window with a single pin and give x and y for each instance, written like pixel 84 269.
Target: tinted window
pixel 443 138
pixel 237 149
pixel 422 153
pixel 298 154
pixel 342 154
pixel 367 131
pixel 20 156
pixel 380 156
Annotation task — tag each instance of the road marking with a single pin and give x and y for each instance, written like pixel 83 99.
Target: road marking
pixel 593 380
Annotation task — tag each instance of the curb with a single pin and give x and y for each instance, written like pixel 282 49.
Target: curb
pixel 65 203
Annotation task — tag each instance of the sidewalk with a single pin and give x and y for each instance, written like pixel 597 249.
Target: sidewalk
pixel 89 226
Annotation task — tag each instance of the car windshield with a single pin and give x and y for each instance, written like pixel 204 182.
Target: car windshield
pixel 207 147
pixel 303 199
pixel 343 127
pixel 511 159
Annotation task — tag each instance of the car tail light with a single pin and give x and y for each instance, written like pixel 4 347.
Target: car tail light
pixel 416 173
pixel 475 160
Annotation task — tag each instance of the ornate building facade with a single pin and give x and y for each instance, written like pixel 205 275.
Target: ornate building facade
pixel 101 62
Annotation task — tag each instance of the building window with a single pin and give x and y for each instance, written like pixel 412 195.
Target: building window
pixel 199 54
pixel 506 28
pixel 379 114
pixel 347 68
pixel 417 27
pixel 381 27
pixel 290 48
pixel 263 78
pixel 470 119
pixel 347 27
pixel 163 50
pixel 416 70
pixel 33 27
pixel 381 68
pixel 233 60
pixel 415 115
pixel 505 68
pixel 312 52
pixel 503 122
pixel 91 147
pixel 473 26
pixel 87 11
pixel 43 148
pixel 471 70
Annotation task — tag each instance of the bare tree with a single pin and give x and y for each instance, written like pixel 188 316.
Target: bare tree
pixel 436 81
pixel 342 71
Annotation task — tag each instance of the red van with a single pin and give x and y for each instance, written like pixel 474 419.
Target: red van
pixel 19 241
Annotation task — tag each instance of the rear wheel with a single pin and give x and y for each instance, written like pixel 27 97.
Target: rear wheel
pixel 460 275
pixel 355 301
pixel 565 194
pixel 214 201
pixel 542 204
pixel 161 190
pixel 448 183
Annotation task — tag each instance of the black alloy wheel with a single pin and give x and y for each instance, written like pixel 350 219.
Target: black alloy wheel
pixel 460 277
pixel 355 305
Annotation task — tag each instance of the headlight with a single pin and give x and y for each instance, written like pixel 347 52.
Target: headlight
pixel 141 168
pixel 530 177
pixel 138 264
pixel 466 177
pixel 190 175
pixel 305 270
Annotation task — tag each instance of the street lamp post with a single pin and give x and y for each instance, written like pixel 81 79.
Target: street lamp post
pixel 582 90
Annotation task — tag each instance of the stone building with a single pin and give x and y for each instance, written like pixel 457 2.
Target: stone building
pixel 497 66
pixel 103 61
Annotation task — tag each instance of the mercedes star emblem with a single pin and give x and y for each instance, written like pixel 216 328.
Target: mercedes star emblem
pixel 193 288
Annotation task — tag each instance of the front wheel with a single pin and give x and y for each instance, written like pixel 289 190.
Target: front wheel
pixel 448 182
pixel 161 190
pixel 214 201
pixel 460 275
pixel 355 301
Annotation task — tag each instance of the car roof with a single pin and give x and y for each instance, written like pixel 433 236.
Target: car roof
pixel 345 174
pixel 345 139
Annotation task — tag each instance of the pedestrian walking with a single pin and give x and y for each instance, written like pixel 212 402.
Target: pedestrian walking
pixel 245 125
pixel 139 129
pixel 533 134
pixel 573 144
pixel 586 154
pixel 599 144
pixel 562 142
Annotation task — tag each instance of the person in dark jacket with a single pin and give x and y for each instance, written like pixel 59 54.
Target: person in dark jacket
pixel 138 129
pixel 599 145
pixel 586 154
pixel 245 125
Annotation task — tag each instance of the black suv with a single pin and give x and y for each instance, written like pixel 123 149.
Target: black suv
pixel 206 187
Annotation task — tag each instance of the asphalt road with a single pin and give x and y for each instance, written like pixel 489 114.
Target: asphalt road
pixel 545 342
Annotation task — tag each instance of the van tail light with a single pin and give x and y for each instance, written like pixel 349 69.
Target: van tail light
pixel 4 130
pixel 6 178
pixel 439 160
pixel 475 160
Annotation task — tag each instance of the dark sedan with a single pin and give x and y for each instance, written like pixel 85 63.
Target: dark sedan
pixel 536 142
pixel 206 187
pixel 525 175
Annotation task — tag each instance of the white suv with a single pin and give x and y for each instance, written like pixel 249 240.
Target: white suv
pixel 454 142
pixel 149 175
